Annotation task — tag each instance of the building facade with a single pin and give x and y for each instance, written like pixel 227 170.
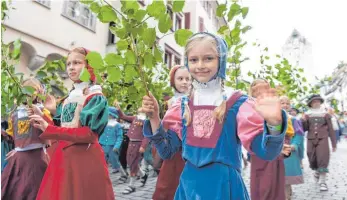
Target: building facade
pixel 49 29
pixel 298 51
pixel 336 88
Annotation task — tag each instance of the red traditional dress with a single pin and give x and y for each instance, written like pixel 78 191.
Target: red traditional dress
pixel 77 169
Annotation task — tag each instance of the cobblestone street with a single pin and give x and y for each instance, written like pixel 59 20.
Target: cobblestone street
pixel 336 180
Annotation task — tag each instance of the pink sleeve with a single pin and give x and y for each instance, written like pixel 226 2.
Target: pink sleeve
pixel 249 123
pixel 172 119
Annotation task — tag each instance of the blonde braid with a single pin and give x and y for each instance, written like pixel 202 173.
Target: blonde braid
pixel 187 113
pixel 219 112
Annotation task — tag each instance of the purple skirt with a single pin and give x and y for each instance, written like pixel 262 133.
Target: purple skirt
pixel 23 174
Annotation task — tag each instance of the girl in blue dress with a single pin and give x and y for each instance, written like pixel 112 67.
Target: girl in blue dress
pixel 212 123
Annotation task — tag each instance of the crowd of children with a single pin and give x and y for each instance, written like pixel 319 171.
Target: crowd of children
pixel 62 149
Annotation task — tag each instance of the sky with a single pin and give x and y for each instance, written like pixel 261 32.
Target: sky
pixel 322 23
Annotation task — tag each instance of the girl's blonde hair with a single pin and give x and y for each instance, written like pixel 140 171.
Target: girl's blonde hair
pixel 254 83
pixel 284 97
pixel 79 50
pixel 201 38
pixel 219 112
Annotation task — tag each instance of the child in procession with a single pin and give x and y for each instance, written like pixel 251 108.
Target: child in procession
pixel 77 169
pixel 111 140
pixel 28 161
pixel 136 148
pixel 168 179
pixel 268 177
pixel 318 124
pixel 204 125
pixel 292 165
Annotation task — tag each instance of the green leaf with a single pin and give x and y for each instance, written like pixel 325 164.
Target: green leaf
pixel 221 9
pixel 278 56
pixel 120 32
pixel 245 29
pixel 41 74
pixel 132 90
pixel 156 9
pixel 131 5
pixel 223 29
pixel 84 76
pixel 158 55
pixel 95 7
pixel 15 54
pixel 42 97
pixel 235 33
pixel 149 36
pixel 301 70
pixel 148 58
pixel 130 57
pixel 114 74
pixel 114 59
pixel 107 14
pixel 165 23
pixel 122 45
pixel 267 57
pixel 305 88
pixel 177 6
pixel 130 72
pixel 95 60
pixel 241 86
pixel 51 69
pixel 138 84
pixel 235 9
pixel 268 67
pixel 304 80
pixel 182 35
pixel 28 90
pixel 244 12
pixel 140 14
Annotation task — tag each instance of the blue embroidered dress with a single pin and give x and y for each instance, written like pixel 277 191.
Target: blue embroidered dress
pixel 212 150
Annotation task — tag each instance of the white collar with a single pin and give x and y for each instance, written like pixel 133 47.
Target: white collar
pixel 316 112
pixel 77 91
pixel 178 94
pixel 80 86
pixel 211 85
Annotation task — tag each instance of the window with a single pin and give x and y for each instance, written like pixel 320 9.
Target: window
pixel 201 24
pixel 177 60
pixel 44 3
pixel 168 58
pixel 111 36
pixel 169 11
pixel 187 20
pixel 171 56
pixel 178 23
pixel 79 13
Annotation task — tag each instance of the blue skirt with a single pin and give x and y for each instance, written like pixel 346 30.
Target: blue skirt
pixel 212 182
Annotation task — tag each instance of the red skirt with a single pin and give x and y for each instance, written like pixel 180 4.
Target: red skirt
pixel 77 171
pixel 23 174
pixel 169 177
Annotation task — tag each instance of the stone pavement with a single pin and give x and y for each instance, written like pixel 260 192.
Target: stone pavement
pixel 336 180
